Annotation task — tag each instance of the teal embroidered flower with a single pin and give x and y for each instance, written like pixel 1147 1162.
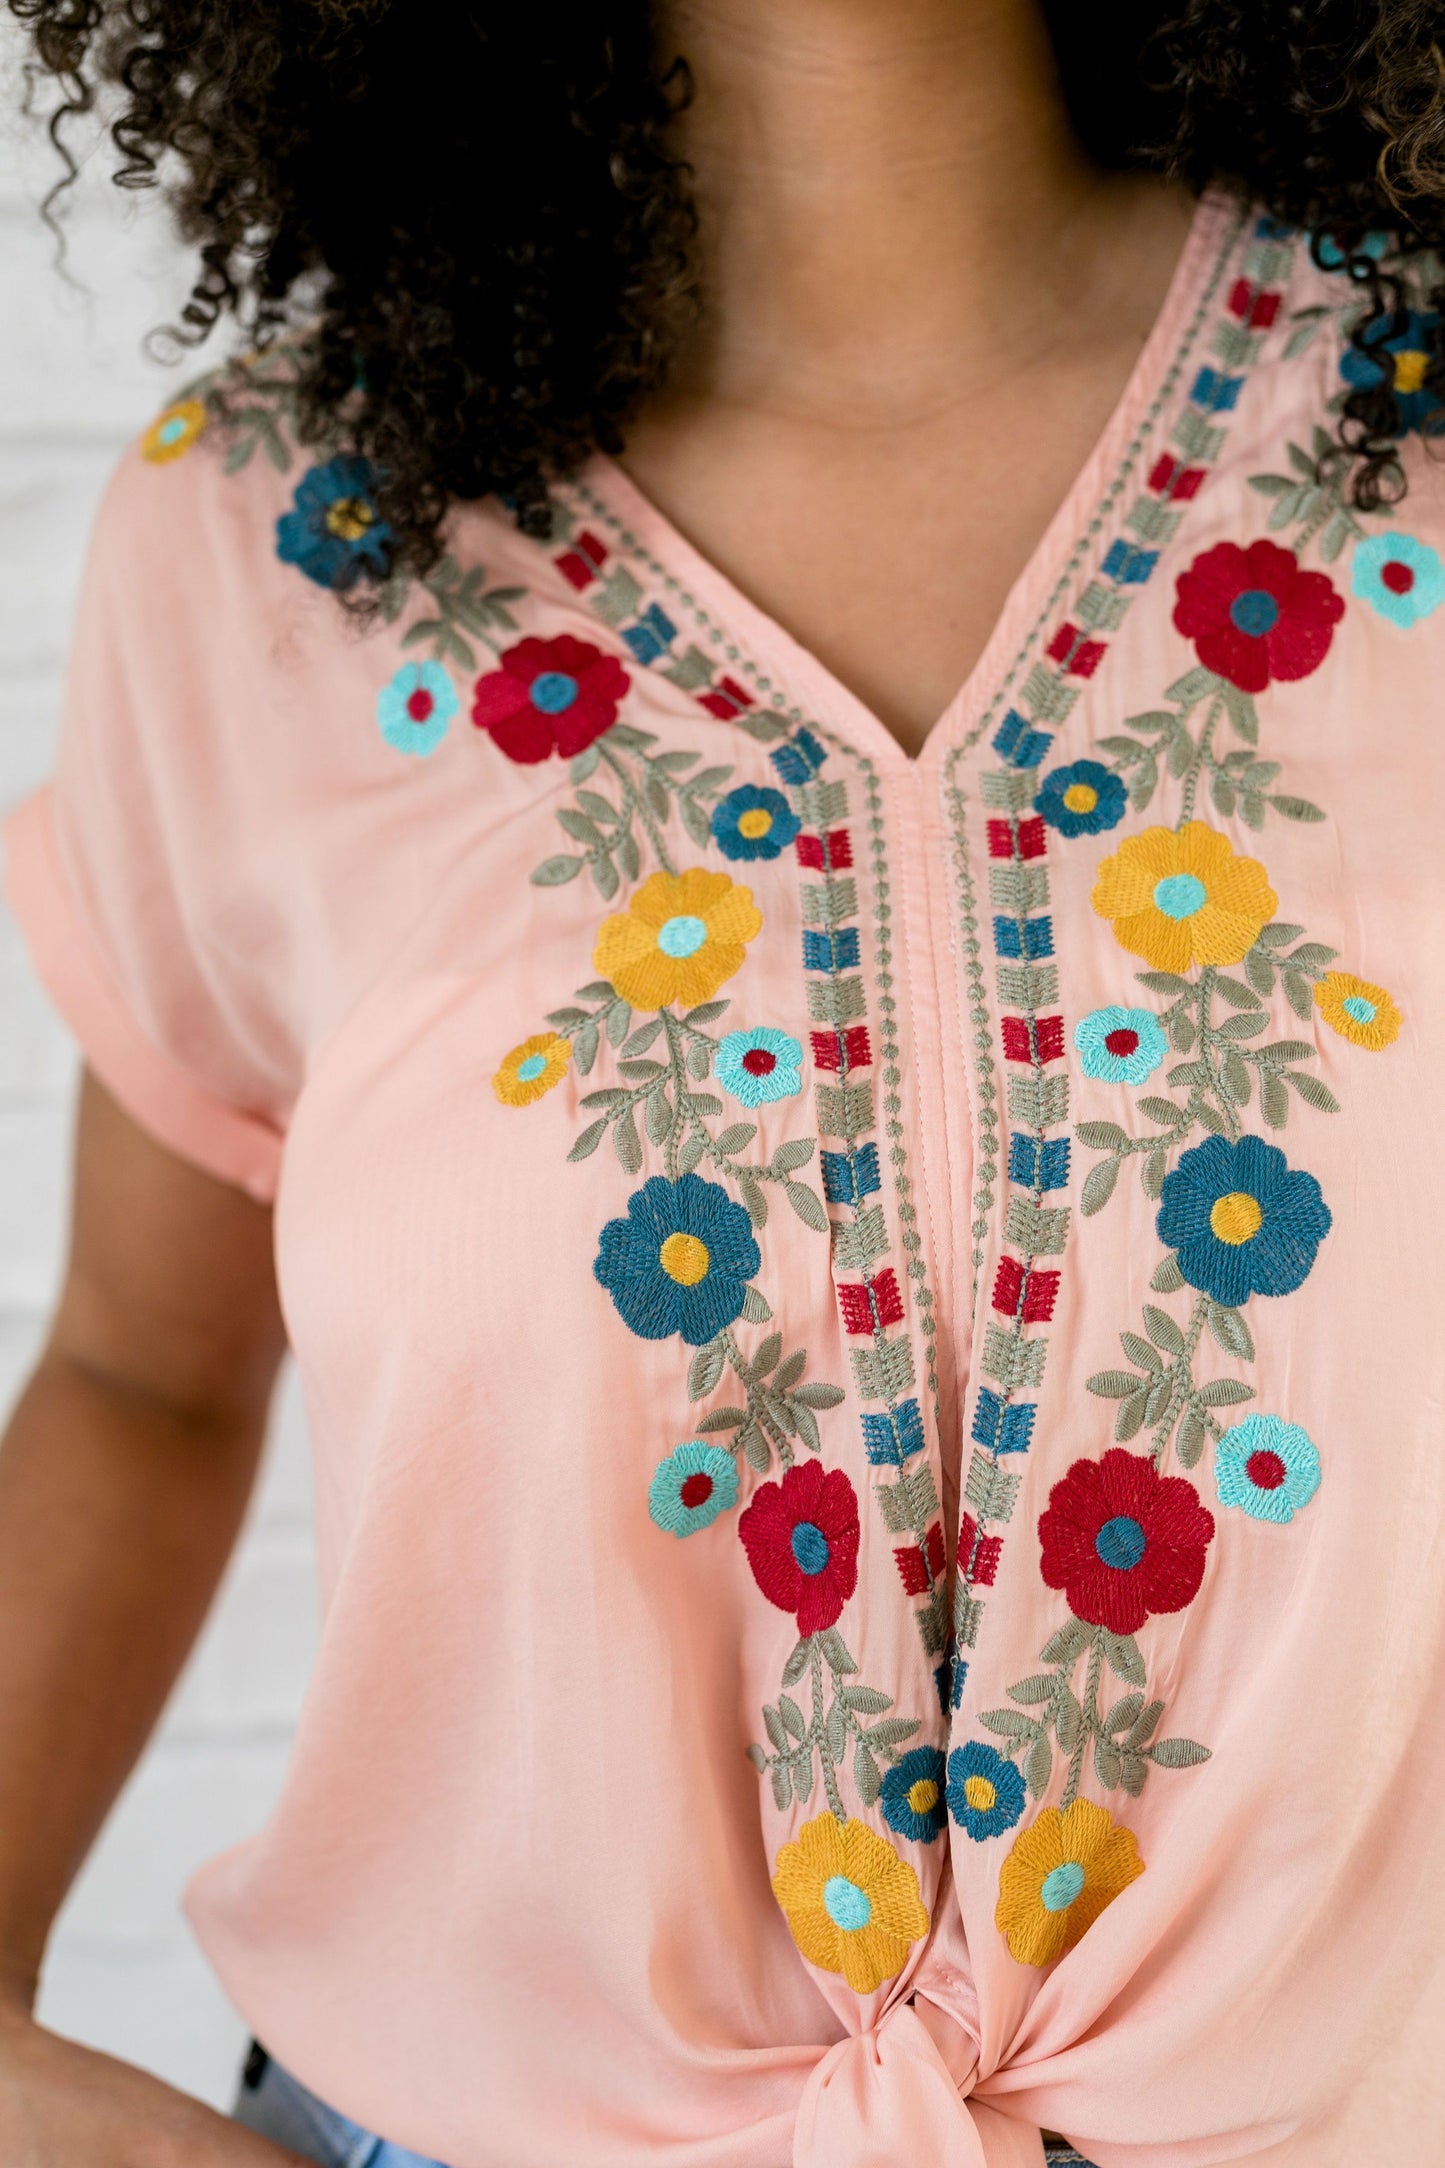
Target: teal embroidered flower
pixel 1400 361
pixel 912 1798
pixel 753 823
pixel 1267 1467
pixel 985 1792
pixel 415 708
pixel 692 1487
pixel 332 533
pixel 1120 1046
pixel 680 1261
pixel 1243 1221
pixel 1082 799
pixel 760 1065
pixel 1400 578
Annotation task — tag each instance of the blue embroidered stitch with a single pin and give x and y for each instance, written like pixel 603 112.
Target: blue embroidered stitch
pixel 831 951
pixel 1026 937
pixel 1017 741
pixel 849 1177
pixel 652 635
pixel 889 1440
pixel 1001 1427
pixel 1127 563
pixel 800 759
pixel 1037 1162
pixel 1216 393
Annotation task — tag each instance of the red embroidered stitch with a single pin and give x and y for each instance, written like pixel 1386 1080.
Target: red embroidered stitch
pixel 725 700
pixel 1171 478
pixel 981 1553
pixel 913 1572
pixel 581 563
pixel 1256 308
pixel 833 856
pixel 837 1050
pixel 1017 1292
pixel 1031 841
pixel 878 1301
pixel 1081 657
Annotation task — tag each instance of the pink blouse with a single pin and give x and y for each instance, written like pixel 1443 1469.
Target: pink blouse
pixel 870 1330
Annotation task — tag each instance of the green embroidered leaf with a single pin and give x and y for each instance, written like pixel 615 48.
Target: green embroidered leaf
pixel 1114 1384
pixel 792 1716
pixel 1270 485
pixel 1167 1112
pixel 893 1731
pixel 1164 982
pixel 1222 791
pixel 1295 809
pixel 597 990
pixel 1064 1646
pixel 554 871
pixel 642 1039
pixel 1235 992
pixel 807 1426
pixel 725 1419
pixel 1210 1118
pixel 706 1369
pixel 1243 1027
pixel 1181 753
pixel 791 1371
pixel 1130 1417
pixel 658 1116
pixel 1313 1092
pixel 1335 536
pixel 1144 1724
pixel 1191 1072
pixel 1181 1032
pixel 782 1787
pixel 1039 1766
pixel 1302 463
pixel 675 762
pixel 1099 1186
pixel 1167 1279
pixel 1259 972
pixel 1162 1330
pixel 1010 1722
pixel 819 1396
pixel 767 1355
pixel 1225 1393
pixel 1190 1442
pixel 1230 1330
pixel 757 1757
pixel 565 1019
pixel 1100 1136
pixel 1280 1051
pixel 585 763
pixel 797 1663
pixel 795 1152
pixel 1068 1720
pixel 605 877
pixel 837 1731
pixel 1157 1404
pixel 754 1446
pixel 865 1700
pixel 1278 932
pixel 706 1012
pixel 1152 1174
pixel 1107 1764
pixel 1037 1688
pixel 835 1650
pixel 589 1140
pixel 1234 1078
pixel 577 825
pixel 808 1206
pixel 866 1775
pixel 754 1201
pixel 607 1095
pixel 593 802
pixel 1152 721
pixel 695 820
pixel 627 1142
pixel 1178 1753
pixel 1190 689
pixel 1123 1713
pixel 1133 1773
pixel 1251 809
pixel 699 1060
pixel 1140 1352
pixel 1299 994
pixel 775 1729
pixel 802 1767
pixel 756 1310
pixel 619 1022
pixel 736 1136
pixel 1311 957
pixel 691 1153
pixel 1121 1654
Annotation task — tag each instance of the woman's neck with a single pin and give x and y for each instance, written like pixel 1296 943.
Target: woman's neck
pixel 894 210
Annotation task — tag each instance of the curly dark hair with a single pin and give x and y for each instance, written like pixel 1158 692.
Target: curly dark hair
pixel 497 292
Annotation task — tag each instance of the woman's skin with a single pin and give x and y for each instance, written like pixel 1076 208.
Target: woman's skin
pixel 921 307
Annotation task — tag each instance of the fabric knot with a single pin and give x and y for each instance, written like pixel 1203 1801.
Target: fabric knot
pixel 902 2091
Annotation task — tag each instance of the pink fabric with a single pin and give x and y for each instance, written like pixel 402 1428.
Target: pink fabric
pixel 513 1904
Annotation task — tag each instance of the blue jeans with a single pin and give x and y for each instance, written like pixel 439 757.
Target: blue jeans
pixel 277 2106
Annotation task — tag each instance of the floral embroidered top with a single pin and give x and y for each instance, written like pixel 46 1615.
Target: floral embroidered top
pixel 870 1329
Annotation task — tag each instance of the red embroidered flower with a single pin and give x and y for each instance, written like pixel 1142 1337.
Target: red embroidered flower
pixel 550 696
pixel 1254 614
pixel 1123 1541
pixel 801 1537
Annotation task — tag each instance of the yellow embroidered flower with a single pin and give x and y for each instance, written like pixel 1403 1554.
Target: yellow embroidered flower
pixel 1063 1870
pixel 532 1069
pixel 175 431
pixel 852 1903
pixel 1182 897
pixel 681 936
pixel 1362 1013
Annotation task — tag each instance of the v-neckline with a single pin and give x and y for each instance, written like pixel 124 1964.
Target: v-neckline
pixel 1041 582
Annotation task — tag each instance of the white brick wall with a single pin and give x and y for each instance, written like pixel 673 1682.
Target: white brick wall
pixel 124 1973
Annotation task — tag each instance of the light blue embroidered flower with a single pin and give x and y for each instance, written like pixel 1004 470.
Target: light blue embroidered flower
pixel 760 1065
pixel 415 708
pixel 1400 578
pixel 692 1487
pixel 1120 1046
pixel 1266 1466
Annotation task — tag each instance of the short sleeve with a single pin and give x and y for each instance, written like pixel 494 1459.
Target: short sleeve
pixel 141 875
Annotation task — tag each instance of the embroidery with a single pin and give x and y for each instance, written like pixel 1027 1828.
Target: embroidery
pixel 985 1793
pixel 692 1487
pixel 912 1799
pixel 853 1905
pixel 1120 1046
pixel 415 708
pixel 681 937
pixel 532 1069
pixel 760 1066
pixel 753 823
pixel 1267 1467
pixel 1401 359
pixel 1401 579
pixel 801 1536
pixel 680 1261
pixel 1062 1872
pixel 174 431
pixel 549 696
pixel 332 533
pixel 1358 1010
pixel 1081 799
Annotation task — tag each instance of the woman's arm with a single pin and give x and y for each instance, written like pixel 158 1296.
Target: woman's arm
pixel 124 1476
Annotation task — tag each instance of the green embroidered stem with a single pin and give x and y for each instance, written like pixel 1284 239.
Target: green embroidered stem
pixel 1202 755
pixel 826 1735
pixel 464 611
pixel 1164 742
pixel 648 794
pixel 635 801
pixel 1312 498
pixel 1179 1374
pixel 1122 1736
pixel 778 1406
pixel 1088 1726
pixel 1161 1389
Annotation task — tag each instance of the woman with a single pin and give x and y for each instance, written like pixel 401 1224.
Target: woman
pixel 775 767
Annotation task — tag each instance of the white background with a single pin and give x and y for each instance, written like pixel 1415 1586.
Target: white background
pixel 124 1972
